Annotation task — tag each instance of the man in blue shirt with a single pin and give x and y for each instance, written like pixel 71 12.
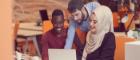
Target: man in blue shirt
pixel 79 18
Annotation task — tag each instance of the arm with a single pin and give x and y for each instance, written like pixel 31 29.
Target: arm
pixel 44 48
pixel 70 35
pixel 84 56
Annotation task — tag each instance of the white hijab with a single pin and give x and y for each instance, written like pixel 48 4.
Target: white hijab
pixel 104 24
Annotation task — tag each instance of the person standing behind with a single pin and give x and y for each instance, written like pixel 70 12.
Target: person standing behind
pixel 79 18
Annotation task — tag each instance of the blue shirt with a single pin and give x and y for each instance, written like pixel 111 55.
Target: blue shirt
pixel 83 26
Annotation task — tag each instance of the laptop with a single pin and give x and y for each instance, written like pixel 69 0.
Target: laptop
pixel 62 54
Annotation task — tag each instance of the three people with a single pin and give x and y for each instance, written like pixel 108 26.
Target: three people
pixel 93 18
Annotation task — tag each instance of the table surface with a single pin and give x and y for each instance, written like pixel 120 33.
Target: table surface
pixel 30 26
pixel 133 43
pixel 22 32
pixel 29 29
pixel 120 34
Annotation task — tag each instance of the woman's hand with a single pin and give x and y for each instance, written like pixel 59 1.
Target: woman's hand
pixel 84 54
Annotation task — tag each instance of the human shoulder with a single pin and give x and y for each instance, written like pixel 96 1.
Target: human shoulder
pixel 109 40
pixel 110 34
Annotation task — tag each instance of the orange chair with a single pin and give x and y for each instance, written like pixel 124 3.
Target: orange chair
pixel 115 19
pixel 47 25
pixel 120 46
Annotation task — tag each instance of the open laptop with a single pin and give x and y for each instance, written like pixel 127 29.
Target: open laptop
pixel 62 54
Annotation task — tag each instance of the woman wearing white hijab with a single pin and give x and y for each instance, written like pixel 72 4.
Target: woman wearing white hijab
pixel 100 41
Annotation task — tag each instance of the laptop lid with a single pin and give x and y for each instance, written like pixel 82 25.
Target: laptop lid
pixel 62 54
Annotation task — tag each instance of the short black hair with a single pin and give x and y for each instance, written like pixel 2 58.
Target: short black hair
pixel 57 12
pixel 75 4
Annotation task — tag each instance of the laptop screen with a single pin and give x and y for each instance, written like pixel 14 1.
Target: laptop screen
pixel 62 54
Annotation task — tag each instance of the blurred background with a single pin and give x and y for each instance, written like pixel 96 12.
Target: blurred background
pixel 28 10
pixel 31 18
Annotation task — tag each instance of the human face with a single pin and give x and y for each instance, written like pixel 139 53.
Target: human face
pixel 93 23
pixel 77 16
pixel 58 23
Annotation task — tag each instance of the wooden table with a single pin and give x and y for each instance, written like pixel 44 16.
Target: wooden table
pixel 30 26
pixel 30 31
